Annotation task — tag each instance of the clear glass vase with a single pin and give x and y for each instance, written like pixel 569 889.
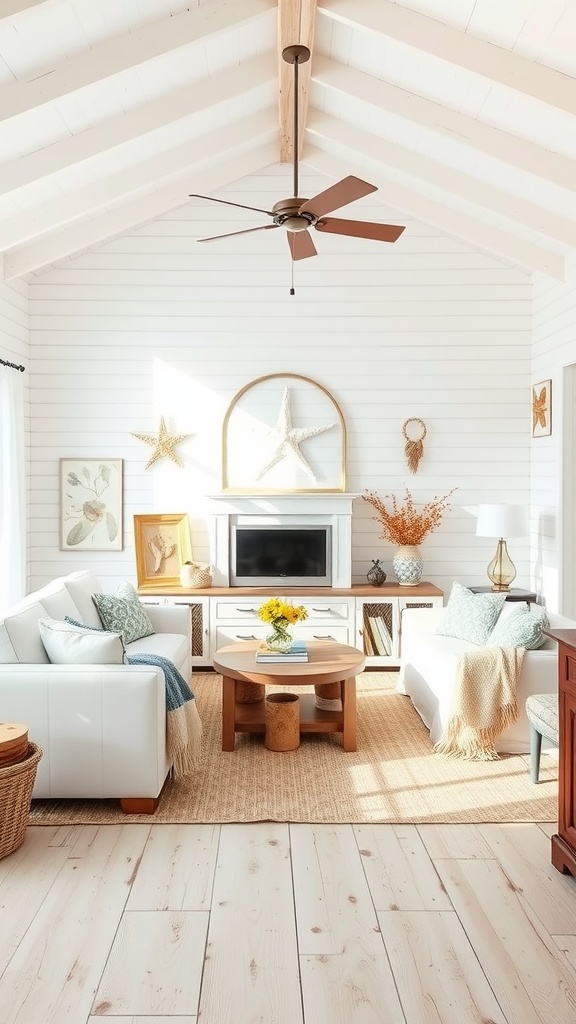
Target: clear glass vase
pixel 280 639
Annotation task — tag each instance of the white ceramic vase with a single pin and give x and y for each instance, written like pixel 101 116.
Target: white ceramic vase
pixel 408 565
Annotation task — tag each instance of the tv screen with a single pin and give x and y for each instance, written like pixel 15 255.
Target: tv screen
pixel 295 556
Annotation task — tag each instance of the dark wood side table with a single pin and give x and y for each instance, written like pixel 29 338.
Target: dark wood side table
pixel 564 842
pixel 513 594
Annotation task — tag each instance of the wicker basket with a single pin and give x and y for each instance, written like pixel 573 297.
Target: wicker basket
pixel 16 785
pixel 195 576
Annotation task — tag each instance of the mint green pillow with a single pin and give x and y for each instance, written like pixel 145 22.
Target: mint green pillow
pixel 522 629
pixel 123 613
pixel 469 616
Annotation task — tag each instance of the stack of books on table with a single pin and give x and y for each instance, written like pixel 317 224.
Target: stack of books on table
pixel 265 654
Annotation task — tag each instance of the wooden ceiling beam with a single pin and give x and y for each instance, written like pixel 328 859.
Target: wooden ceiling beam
pixel 120 53
pixel 455 126
pixel 462 49
pixel 461 225
pixel 296 22
pixel 327 131
pixel 83 234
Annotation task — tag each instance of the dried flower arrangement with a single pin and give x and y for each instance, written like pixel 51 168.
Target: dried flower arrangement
pixel 405 524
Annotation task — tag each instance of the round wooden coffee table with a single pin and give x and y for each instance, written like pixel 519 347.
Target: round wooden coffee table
pixel 329 662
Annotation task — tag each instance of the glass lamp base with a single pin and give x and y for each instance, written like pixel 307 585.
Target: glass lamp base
pixel 501 570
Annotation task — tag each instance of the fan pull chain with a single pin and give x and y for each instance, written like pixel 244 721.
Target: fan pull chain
pixel 292 292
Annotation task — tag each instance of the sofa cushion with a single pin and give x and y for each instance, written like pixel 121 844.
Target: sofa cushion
pixel 522 629
pixel 67 644
pixel 469 616
pixel 22 629
pixel 81 586
pixel 124 613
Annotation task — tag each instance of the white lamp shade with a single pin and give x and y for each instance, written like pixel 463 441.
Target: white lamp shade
pixel 502 521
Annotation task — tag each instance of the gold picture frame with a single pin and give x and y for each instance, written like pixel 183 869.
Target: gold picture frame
pixel 162 542
pixel 542 409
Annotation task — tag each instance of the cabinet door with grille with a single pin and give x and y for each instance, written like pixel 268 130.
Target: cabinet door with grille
pixel 199 628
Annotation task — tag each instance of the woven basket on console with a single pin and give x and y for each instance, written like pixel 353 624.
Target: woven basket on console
pixel 16 785
pixel 195 576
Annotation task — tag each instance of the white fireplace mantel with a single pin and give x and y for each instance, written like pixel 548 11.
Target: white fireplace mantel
pixel 319 508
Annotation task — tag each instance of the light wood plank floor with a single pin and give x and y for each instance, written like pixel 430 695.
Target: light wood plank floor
pixel 287 924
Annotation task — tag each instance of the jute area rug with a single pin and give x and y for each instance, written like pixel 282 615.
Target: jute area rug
pixel 393 777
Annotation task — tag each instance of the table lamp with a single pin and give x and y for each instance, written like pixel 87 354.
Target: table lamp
pixel 501 521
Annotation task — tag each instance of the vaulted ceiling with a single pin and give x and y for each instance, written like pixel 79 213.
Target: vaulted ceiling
pixel 461 112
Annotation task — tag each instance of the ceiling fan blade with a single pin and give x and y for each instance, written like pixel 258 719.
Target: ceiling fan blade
pixel 340 194
pixel 360 229
pixel 301 245
pixel 245 231
pixel 227 202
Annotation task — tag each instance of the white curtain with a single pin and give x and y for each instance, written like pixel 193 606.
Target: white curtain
pixel 12 489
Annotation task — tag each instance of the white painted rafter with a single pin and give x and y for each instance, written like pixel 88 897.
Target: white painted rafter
pixel 143 177
pixel 459 48
pixel 257 74
pixel 123 52
pixel 11 8
pixel 498 144
pixel 453 222
pixel 322 128
pixel 88 232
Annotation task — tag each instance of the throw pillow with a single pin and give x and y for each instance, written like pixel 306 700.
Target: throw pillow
pixel 124 613
pixel 523 629
pixel 469 616
pixel 66 644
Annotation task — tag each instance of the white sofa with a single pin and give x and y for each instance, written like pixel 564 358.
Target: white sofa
pixel 102 728
pixel 428 671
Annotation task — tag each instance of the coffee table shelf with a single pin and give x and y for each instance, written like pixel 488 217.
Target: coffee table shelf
pixel 329 662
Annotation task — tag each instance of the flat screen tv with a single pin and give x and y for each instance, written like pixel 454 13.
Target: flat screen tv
pixel 280 556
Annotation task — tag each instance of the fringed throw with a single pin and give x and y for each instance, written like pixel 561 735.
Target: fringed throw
pixel 484 702
pixel 183 725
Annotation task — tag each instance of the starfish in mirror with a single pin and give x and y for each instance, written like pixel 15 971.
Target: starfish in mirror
pixel 163 444
pixel 287 439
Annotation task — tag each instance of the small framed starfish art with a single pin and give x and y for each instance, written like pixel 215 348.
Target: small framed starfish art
pixel 542 409
pixel 283 433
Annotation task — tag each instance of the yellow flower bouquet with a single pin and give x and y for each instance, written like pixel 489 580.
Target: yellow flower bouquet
pixel 281 615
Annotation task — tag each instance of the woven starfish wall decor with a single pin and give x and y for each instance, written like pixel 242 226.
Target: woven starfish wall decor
pixel 163 444
pixel 287 439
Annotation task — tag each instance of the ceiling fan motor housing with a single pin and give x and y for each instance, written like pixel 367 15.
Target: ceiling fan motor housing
pixel 287 215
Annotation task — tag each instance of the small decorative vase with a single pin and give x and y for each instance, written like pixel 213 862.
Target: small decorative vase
pixel 408 565
pixel 376 575
pixel 280 639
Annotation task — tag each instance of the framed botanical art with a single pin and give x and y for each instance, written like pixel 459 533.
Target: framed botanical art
pixel 162 546
pixel 91 504
pixel 542 409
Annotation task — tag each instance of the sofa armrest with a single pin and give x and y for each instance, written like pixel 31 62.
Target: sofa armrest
pixel 102 728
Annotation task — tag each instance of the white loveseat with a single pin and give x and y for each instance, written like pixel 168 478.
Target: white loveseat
pixel 102 728
pixel 428 671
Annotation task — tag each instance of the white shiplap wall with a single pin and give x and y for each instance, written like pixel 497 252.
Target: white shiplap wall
pixel 155 324
pixel 15 348
pixel 554 351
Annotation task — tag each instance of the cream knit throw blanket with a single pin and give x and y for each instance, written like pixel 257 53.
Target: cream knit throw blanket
pixel 484 702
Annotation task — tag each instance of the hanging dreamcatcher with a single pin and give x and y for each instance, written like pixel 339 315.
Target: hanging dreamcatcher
pixel 414 448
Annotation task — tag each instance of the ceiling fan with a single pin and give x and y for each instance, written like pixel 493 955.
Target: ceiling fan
pixel 297 215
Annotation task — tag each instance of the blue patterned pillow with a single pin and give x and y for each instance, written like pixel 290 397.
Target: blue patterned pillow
pixel 123 613
pixel 522 629
pixel 469 616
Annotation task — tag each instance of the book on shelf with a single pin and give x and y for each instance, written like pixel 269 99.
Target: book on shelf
pixel 384 635
pixel 297 653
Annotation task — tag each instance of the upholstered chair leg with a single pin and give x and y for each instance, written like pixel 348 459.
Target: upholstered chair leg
pixel 535 748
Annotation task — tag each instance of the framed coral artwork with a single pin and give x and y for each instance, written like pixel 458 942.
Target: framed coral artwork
pixel 542 409
pixel 162 546
pixel 91 504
